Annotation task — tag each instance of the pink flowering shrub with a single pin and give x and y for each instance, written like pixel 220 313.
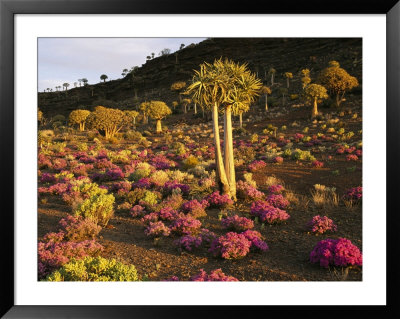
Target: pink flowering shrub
pixel 277 200
pixel 219 201
pixel 256 240
pixel 278 159
pixel 230 246
pixel 207 237
pixel 188 242
pixel 48 178
pixel 59 164
pixel 354 193
pixel 351 157
pixel 268 213
pixel 171 185
pixel 276 189
pixel 248 192
pixel 317 164
pixel 56 189
pixel 53 252
pixel 137 211
pixel 185 225
pixel 44 161
pixel 256 165
pixel 149 218
pixel 215 275
pixel 336 252
pixel 157 229
pixel 321 225
pixel 237 223
pixel 168 214
pixel 195 208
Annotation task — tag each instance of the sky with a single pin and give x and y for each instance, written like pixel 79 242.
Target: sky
pixel 63 60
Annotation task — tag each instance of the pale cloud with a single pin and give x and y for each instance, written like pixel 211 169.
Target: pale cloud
pixel 69 59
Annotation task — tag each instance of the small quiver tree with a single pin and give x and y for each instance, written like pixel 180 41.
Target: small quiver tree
pixel 283 92
pixel 337 81
pixel 315 92
pixel 266 91
pixel 158 110
pixel 178 87
pixel 131 115
pixel 78 117
pixel 144 109
pixel 185 103
pixel 272 72
pixel 107 120
pixel 288 76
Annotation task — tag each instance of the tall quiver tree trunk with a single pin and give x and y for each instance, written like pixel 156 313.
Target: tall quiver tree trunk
pixel 266 102
pixel 158 126
pixel 222 180
pixel 314 111
pixel 228 151
pixel 240 120
pixel 195 108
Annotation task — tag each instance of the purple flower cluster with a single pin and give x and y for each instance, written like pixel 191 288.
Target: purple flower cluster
pixel 168 214
pixel 337 252
pixel 230 246
pixel 215 275
pixel 188 242
pixel 219 201
pixel 142 183
pixel 256 239
pixel 256 165
pixel 207 237
pixel 162 162
pixel 354 193
pixel 171 185
pixel 195 208
pixel 157 229
pixel 277 200
pixel 268 213
pixel 123 186
pixel 247 191
pixel 114 174
pixel 321 225
pixel 47 178
pixel 237 223
pixel 137 211
pixel 276 189
pixel 185 225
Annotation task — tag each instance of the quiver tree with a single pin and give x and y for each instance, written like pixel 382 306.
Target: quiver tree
pixel 314 93
pixel 158 110
pixel 227 87
pixel 78 117
pixel 266 90
pixel 305 77
pixel 107 120
pixel 178 87
pixel 132 115
pixel 144 109
pixel 175 104
pixel 272 72
pixel 283 92
pixel 337 81
pixel 103 77
pixel 288 76
pixel 185 103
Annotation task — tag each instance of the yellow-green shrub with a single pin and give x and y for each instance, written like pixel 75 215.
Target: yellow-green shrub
pixel 98 208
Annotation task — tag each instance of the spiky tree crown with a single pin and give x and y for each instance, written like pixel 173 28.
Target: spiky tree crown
pixel 178 86
pixel 288 75
pixel 316 91
pixel 158 110
pixel 106 118
pixel 78 116
pixel 266 90
pixel 131 114
pixel 337 79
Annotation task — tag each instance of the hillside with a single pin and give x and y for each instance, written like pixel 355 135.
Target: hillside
pixel 154 78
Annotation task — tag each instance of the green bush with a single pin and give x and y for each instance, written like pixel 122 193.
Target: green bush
pixel 190 162
pixel 94 269
pixel 98 208
pixel 139 173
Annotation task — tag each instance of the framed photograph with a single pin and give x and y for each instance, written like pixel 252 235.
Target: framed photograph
pixel 149 145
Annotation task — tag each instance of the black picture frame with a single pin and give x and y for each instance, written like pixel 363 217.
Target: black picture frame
pixel 8 8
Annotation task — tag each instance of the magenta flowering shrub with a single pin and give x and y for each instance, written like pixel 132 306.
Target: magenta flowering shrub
pixel 103 163
pixel 188 242
pixel 351 157
pixel 215 275
pixel 256 165
pixel 79 228
pixel 297 137
pixel 275 189
pixel 195 208
pixel 248 192
pixel 277 200
pixel 237 223
pixel 53 252
pixel 321 225
pixel 56 189
pixel 137 211
pixel 157 229
pixel 82 169
pixel 142 183
pixel 114 174
pixel 317 164
pixel 87 159
pixel 150 218
pixel 185 225
pixel 256 240
pixel 354 193
pixel 44 161
pixel 219 201
pixel 336 252
pixel 358 153
pixel 230 246
pixel 121 187
pixel 59 164
pixel 162 162
pixel 278 159
pixel 268 213
pixel 48 178
pixel 171 185
pixel 168 214
pixel 207 237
